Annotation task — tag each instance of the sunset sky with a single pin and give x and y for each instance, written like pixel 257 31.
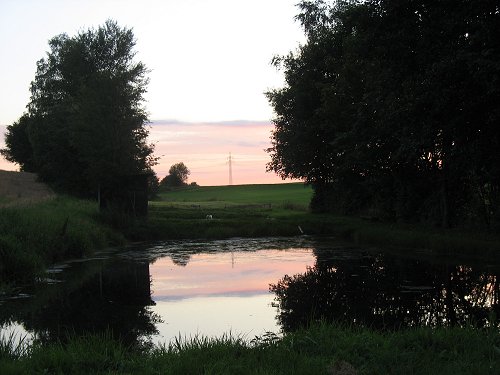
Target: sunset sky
pixel 205 148
pixel 210 66
pixel 216 293
pixel 226 273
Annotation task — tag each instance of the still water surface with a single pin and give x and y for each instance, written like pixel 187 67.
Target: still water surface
pixel 154 293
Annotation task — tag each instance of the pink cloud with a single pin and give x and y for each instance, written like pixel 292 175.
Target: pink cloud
pixel 205 148
pixel 227 273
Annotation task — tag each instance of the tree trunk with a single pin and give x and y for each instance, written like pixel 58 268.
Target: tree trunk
pixel 445 217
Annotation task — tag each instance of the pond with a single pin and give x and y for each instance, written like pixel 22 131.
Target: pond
pixel 155 293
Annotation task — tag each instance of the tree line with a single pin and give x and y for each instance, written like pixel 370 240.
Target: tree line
pixel 85 127
pixel 391 109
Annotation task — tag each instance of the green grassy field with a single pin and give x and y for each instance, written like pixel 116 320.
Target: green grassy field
pixel 278 195
pixel 282 210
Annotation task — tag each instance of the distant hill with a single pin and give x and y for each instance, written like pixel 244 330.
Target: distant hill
pixel 22 187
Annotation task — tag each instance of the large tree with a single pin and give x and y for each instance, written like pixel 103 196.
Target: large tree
pixel 390 107
pixel 18 146
pixel 177 176
pixel 86 123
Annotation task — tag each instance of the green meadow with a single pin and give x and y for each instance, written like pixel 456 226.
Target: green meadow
pixel 277 195
pixel 282 210
pixel 215 212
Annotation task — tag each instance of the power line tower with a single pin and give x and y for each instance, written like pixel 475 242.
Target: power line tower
pixel 230 162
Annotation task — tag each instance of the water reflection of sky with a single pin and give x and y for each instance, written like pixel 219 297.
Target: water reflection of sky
pixel 218 293
pixel 212 288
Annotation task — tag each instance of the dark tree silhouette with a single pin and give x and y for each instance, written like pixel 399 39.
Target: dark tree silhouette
pixel 390 108
pixel 177 176
pixel 85 124
pixel 18 147
pixel 384 292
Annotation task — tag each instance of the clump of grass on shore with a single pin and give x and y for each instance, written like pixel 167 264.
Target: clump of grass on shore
pixel 35 235
pixel 320 349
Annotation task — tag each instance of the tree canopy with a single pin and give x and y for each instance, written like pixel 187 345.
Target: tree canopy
pixel 85 124
pixel 391 108
pixel 177 176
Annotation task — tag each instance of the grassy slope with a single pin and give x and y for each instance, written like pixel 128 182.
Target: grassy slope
pixel 38 228
pixel 37 234
pixel 22 188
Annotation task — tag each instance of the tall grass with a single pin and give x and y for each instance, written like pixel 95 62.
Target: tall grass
pixel 320 349
pixel 12 346
pixel 32 236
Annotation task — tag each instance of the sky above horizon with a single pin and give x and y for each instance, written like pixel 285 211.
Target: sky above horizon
pixel 209 62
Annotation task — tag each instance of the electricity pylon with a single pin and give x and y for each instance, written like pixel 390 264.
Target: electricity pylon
pixel 230 162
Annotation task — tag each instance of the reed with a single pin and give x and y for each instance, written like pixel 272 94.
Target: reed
pixel 320 349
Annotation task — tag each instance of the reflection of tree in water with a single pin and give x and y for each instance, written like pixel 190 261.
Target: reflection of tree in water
pixel 181 258
pixel 111 300
pixel 386 292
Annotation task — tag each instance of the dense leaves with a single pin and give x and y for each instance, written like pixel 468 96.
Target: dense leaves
pixel 177 176
pixel 387 292
pixel 18 147
pixel 391 109
pixel 85 124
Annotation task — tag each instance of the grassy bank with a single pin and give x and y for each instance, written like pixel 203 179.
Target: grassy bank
pixel 37 234
pixel 322 349
pixel 281 210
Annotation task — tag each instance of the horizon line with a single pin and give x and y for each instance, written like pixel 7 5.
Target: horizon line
pixel 222 122
pixel 182 122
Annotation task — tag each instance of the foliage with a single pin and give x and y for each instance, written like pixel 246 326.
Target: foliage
pixel 374 291
pixel 85 124
pixel 389 108
pixel 177 176
pixel 18 147
pixel 320 349
pixel 153 185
